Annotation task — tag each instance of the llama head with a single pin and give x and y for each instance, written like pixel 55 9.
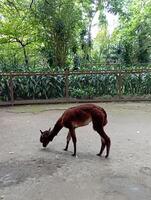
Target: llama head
pixel 45 137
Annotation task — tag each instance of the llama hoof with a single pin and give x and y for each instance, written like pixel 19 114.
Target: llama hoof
pixel 106 156
pixel 74 155
pixel 65 149
pixel 98 154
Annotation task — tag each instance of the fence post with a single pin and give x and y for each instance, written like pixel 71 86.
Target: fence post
pixel 66 84
pixel 119 77
pixel 11 89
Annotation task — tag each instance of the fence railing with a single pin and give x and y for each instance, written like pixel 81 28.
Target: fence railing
pixel 75 86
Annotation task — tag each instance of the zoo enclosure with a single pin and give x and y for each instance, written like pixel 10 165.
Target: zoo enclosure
pixel 75 86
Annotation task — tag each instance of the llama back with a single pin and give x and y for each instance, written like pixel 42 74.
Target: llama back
pixel 89 109
pixel 95 110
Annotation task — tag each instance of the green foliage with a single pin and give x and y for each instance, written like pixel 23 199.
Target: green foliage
pixel 4 89
pixel 38 87
pixel 101 45
pixel 55 35
pixel 134 34
pixel 51 33
pixel 35 87
pixel 89 86
pixel 137 84
pixel 80 87
pixel 59 21
pixel 17 33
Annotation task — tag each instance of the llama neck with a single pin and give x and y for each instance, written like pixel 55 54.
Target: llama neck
pixel 57 127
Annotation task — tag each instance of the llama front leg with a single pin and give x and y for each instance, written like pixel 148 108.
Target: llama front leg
pixel 68 140
pixel 74 140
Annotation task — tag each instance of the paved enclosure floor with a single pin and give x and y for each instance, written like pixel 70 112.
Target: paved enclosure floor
pixel 27 171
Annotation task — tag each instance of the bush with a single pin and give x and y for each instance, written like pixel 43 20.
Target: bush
pixel 80 86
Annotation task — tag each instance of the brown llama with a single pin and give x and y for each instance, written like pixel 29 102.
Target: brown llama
pixel 76 117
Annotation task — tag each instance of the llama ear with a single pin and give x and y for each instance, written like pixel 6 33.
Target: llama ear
pixel 49 129
pixel 41 132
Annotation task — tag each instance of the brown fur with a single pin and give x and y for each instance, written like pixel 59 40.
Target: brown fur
pixel 76 117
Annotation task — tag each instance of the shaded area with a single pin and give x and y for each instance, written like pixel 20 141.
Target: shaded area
pixel 15 172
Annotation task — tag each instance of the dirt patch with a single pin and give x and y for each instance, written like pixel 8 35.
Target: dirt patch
pixel 124 188
pixel 15 172
pixel 146 171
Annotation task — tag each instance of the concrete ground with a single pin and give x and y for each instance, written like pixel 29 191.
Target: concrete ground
pixel 27 171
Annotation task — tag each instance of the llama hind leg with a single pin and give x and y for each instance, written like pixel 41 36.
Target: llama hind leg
pixel 108 144
pixel 68 140
pixel 102 147
pixel 105 143
pixel 98 125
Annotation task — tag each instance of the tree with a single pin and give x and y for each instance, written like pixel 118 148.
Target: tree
pixel 16 26
pixel 101 45
pixel 59 21
pixel 90 8
pixel 134 32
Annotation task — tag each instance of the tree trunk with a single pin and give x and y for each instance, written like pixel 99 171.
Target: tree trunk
pixel 25 55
